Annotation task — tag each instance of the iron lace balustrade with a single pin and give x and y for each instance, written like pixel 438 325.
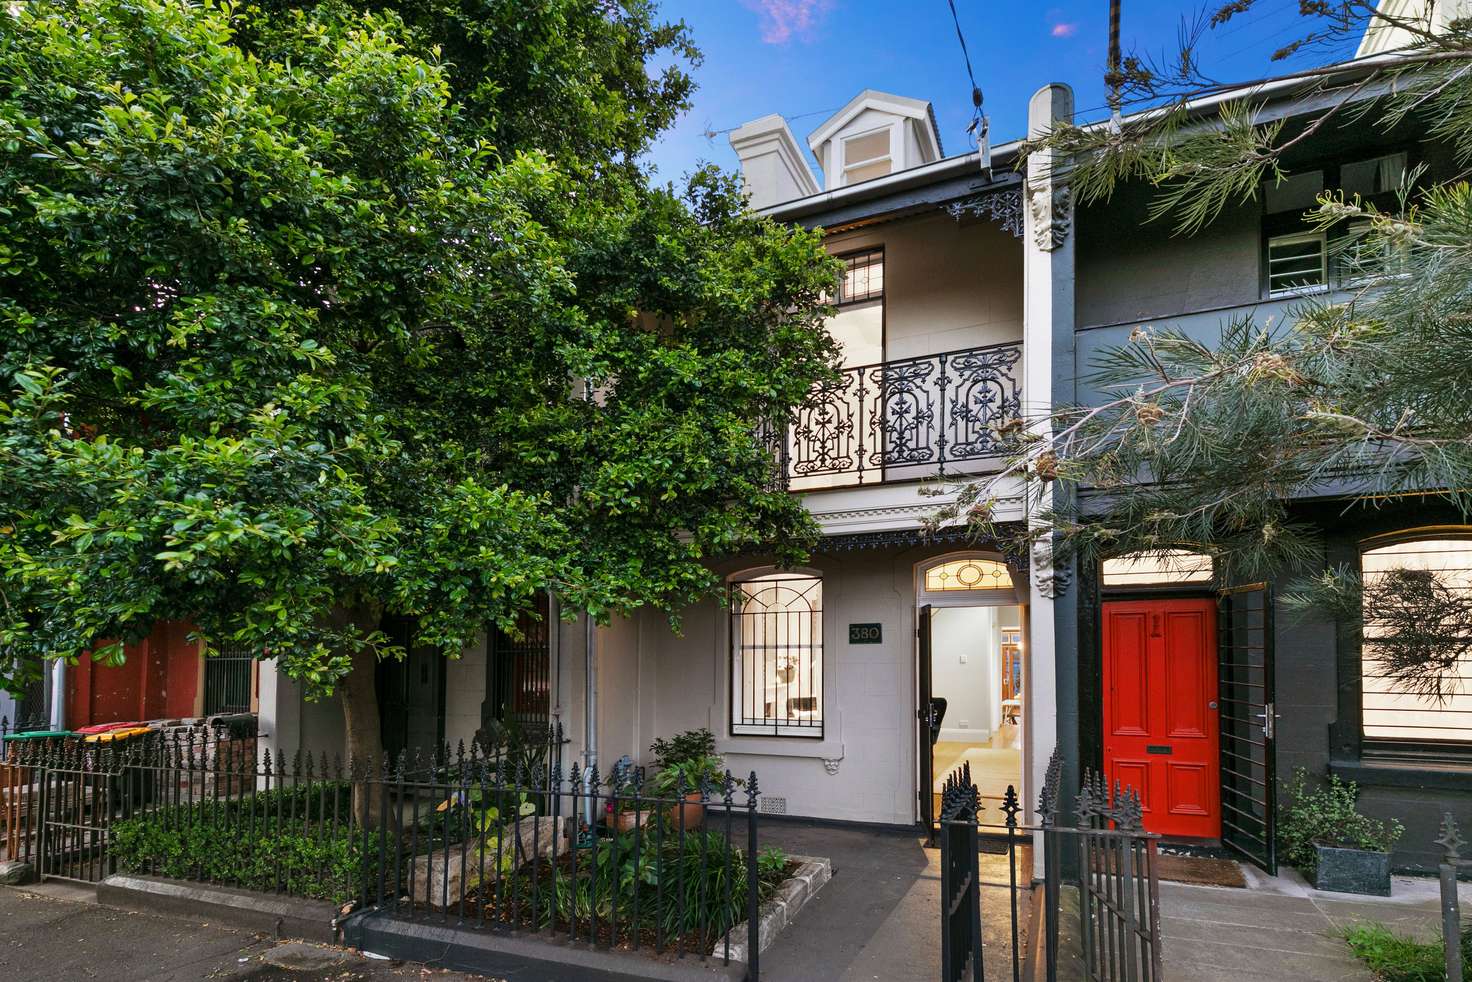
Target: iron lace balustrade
pixel 906 419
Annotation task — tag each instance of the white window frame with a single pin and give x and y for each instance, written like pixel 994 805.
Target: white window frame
pixel 737 726
pixel 1006 597
pixel 851 165
pixel 1380 744
pixel 1290 239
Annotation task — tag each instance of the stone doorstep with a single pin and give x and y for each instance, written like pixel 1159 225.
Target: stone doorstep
pixel 278 916
pixel 778 912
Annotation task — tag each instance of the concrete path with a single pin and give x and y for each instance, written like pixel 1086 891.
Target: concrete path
pixel 879 917
pixel 1281 928
pixel 60 936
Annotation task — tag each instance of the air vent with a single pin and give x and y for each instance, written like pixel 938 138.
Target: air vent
pixel 770 804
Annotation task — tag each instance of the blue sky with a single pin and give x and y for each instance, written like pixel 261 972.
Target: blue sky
pixel 806 58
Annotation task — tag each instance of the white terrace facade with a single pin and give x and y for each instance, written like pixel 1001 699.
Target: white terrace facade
pixel 973 294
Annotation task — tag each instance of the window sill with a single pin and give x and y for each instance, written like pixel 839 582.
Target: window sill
pixel 1398 774
pixel 780 746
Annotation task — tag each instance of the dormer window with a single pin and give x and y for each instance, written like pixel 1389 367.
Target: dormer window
pixel 867 156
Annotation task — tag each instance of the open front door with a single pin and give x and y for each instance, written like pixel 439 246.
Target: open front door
pixel 1248 723
pixel 925 718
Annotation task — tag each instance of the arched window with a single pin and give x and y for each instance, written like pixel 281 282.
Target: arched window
pixel 1168 567
pixel 1416 651
pixel 777 655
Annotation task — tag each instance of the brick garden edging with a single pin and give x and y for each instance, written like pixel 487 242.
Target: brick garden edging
pixel 776 913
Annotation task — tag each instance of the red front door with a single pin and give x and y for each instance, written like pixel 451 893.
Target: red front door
pixel 1160 712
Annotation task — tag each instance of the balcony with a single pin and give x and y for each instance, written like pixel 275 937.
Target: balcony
pixel 905 420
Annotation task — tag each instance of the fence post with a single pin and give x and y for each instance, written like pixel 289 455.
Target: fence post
pixel 1451 914
pixel 753 926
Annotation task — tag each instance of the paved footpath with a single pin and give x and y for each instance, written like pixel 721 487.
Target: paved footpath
pixel 1284 929
pixel 50 939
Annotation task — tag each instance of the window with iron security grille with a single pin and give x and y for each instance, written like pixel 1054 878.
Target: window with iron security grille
pixel 777 656
pixel 1416 650
pixel 229 681
pixel 863 277
pixel 521 677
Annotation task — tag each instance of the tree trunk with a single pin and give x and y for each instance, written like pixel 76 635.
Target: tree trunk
pixel 363 737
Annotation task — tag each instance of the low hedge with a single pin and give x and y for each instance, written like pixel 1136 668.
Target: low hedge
pixel 241 844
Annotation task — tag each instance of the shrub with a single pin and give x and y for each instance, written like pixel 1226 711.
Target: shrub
pixel 1326 815
pixel 242 843
pixel 1395 958
pixel 683 748
pixel 693 886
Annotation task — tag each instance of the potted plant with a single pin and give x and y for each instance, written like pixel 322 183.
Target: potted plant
pixel 1323 834
pixel 684 764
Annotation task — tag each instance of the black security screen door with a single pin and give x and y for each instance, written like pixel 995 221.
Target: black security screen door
pixel 1248 773
pixel 924 710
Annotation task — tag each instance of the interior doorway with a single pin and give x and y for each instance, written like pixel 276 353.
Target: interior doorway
pixel 972 680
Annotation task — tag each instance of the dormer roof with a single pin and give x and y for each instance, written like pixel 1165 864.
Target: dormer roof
pixel 919 110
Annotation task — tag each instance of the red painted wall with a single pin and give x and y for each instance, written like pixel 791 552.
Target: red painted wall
pixel 159 678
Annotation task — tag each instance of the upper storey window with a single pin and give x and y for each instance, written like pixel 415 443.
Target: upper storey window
pixel 867 156
pixel 1299 260
pixel 863 277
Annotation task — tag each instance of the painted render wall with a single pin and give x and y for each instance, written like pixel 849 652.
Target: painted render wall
pixel 1130 268
pixel 947 284
pixel 654 682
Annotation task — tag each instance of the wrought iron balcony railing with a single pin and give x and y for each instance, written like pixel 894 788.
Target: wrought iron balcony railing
pixel 904 420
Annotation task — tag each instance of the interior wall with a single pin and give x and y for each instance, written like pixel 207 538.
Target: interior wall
pixel 964 670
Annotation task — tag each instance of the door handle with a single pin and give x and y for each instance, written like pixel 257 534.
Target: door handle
pixel 1269 720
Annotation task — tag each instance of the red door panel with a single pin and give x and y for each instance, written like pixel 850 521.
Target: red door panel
pixel 1160 715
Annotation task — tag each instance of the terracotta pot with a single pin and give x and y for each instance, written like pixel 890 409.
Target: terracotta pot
pixel 625 821
pixel 692 812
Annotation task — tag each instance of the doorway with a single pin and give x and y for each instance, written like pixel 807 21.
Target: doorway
pixel 1161 718
pixel 976 691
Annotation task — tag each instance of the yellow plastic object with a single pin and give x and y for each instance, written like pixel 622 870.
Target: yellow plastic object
pixel 111 736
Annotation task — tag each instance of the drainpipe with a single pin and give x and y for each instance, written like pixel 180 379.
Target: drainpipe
pixel 590 716
pixel 58 695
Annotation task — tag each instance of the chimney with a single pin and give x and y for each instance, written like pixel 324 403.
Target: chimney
pixel 1433 16
pixel 772 166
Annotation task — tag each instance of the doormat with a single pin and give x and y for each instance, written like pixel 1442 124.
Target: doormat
pixel 1199 870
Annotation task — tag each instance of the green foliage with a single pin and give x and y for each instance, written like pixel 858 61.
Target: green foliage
pixel 1397 958
pixel 285 840
pixel 287 343
pixel 682 747
pixel 689 775
pixel 704 882
pixel 771 862
pixel 1326 814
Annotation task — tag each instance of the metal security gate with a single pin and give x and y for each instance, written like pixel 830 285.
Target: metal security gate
pixel 1248 722
pixel 77 794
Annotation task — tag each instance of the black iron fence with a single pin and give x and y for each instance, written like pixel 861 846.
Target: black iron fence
pixel 1116 934
pixel 482 837
pixel 906 419
pixel 1453 934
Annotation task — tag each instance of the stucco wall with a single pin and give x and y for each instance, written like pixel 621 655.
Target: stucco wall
pixel 674 682
pixel 947 284
pixel 1130 268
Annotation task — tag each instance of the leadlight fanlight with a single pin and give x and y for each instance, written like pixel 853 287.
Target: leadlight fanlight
pixel 777 655
pixel 970 574
pixel 1168 567
pixel 1417 609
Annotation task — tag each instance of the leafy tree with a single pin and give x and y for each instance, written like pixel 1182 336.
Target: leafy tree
pixel 288 345
pixel 1365 397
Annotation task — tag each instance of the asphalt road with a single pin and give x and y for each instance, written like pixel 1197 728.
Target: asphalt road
pixel 45 939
